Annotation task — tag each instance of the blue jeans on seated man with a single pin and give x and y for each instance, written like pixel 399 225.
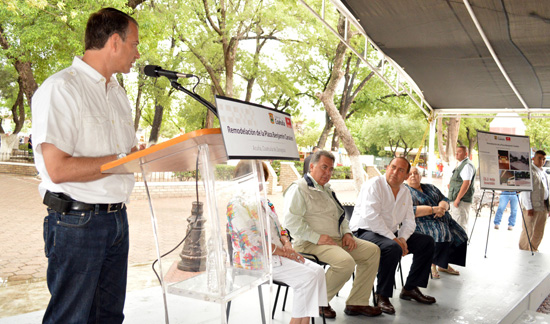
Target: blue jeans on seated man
pixel 505 197
pixel 87 255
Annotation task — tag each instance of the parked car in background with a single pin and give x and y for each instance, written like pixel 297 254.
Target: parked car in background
pixel 546 166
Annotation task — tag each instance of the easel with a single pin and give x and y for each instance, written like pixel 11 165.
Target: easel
pixel 490 217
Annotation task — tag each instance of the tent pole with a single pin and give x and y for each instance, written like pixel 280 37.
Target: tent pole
pixel 431 151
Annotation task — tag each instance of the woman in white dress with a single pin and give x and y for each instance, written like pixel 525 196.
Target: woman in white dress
pixel 306 278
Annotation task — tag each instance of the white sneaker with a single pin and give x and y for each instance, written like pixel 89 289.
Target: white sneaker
pixel 496 226
pixel 510 228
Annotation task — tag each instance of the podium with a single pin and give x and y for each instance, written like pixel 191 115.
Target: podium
pixel 206 270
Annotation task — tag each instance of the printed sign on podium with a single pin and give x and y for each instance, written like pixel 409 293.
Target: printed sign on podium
pixel 251 131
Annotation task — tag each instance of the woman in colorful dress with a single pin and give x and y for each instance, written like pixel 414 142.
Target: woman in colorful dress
pixel 306 278
pixel 432 218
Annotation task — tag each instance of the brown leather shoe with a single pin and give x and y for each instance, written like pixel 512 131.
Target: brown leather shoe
pixel 328 311
pixel 354 310
pixel 384 304
pixel 416 295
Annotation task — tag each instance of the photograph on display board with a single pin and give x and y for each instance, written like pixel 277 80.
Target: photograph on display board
pixel 507 178
pixel 504 162
pixel 523 178
pixel 519 161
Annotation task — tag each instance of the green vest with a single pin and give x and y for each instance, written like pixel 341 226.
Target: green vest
pixel 456 183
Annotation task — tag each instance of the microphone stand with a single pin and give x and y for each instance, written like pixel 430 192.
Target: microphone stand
pixel 195 96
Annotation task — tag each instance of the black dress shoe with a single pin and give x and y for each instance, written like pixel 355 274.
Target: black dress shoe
pixel 328 311
pixel 416 295
pixel 354 310
pixel 384 304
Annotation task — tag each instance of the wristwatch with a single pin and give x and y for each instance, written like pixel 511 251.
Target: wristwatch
pixel 121 155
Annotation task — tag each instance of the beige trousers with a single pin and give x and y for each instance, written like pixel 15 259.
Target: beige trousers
pixel 461 214
pixel 342 264
pixel 535 229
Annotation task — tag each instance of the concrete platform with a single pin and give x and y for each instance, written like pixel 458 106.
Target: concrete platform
pixel 507 286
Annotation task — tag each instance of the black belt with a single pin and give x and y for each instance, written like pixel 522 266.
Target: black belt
pixel 78 205
pixel 63 203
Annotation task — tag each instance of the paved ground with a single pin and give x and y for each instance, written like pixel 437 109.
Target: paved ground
pixel 22 261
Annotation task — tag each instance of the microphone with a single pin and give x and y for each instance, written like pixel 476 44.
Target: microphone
pixel 156 71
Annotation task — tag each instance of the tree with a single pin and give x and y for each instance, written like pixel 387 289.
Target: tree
pixel 468 131
pixel 538 131
pixel 59 28
pixel 394 131
pixel 306 131
pixel 21 24
pixel 327 98
pixel 222 28
pixel 447 137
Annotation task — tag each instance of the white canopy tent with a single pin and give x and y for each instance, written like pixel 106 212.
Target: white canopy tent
pixel 470 58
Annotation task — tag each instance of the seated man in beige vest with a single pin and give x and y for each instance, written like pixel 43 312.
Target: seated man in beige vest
pixel 316 220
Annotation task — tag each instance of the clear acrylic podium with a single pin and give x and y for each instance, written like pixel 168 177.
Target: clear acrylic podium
pixel 206 270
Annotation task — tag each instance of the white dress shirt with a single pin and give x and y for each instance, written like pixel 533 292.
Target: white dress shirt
pixel 379 211
pixel 467 171
pixel 84 116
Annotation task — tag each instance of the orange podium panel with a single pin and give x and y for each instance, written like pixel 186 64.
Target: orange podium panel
pixel 175 155
pixel 205 269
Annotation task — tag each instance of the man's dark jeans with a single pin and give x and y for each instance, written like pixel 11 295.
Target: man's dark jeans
pixel 87 266
pixel 419 245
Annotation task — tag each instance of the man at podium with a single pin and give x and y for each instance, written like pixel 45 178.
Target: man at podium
pixel 82 120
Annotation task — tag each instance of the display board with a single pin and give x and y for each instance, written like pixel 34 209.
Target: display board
pixel 251 131
pixel 504 162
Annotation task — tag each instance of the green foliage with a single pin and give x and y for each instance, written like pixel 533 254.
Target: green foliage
pixel 276 165
pixel 469 128
pixel 299 165
pixel 282 50
pixel 307 131
pixel 538 131
pixel 387 130
pixel 341 172
pixel 222 172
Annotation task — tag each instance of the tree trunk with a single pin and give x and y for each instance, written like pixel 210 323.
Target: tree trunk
pixel 349 94
pixel 335 142
pixel 326 131
pixel 18 111
pixel 327 98
pixel 452 138
pixel 27 83
pixel 472 140
pixel 137 117
pixel 155 128
pixel 209 120
pixel 440 147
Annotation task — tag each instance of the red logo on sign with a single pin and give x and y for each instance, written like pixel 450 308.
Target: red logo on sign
pixel 508 138
pixel 288 122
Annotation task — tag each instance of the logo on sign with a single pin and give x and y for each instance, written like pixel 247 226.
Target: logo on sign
pixel 508 139
pixel 271 118
pixel 288 122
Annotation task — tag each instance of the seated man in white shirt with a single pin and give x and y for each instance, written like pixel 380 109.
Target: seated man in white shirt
pixel 383 204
